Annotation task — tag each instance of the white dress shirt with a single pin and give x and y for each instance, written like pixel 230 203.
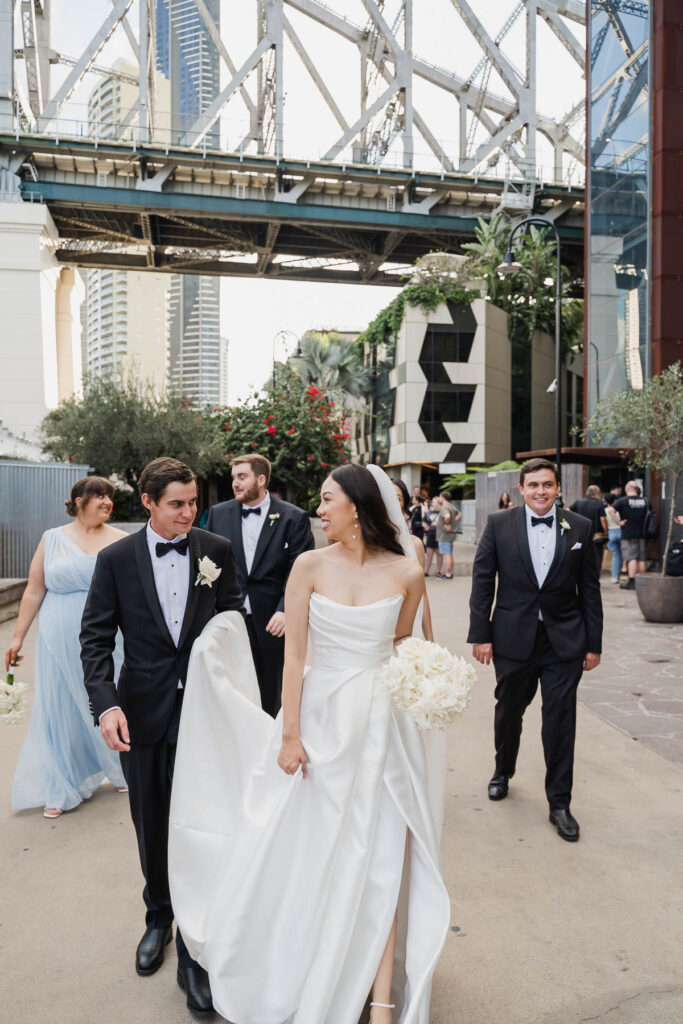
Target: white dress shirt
pixel 541 544
pixel 251 531
pixel 172 582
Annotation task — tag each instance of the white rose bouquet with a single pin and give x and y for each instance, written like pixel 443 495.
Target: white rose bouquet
pixel 12 699
pixel 429 683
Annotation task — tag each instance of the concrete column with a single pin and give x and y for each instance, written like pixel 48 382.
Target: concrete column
pixel 69 296
pixel 29 280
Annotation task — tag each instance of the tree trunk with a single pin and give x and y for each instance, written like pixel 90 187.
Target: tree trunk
pixel 667 543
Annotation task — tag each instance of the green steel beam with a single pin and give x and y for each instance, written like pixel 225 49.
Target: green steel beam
pixel 104 197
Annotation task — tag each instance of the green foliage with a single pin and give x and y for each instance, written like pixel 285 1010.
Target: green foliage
pixel 428 296
pixel 468 479
pixel 525 296
pixel 297 426
pixel 648 424
pixel 118 426
pixel 332 363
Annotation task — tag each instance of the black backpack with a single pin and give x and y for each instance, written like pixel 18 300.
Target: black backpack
pixel 674 560
pixel 650 526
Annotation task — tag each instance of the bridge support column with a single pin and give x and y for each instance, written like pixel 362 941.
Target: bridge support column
pixel 40 361
pixel 6 63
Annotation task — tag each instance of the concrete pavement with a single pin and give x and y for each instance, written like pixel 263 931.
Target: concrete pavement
pixel 543 931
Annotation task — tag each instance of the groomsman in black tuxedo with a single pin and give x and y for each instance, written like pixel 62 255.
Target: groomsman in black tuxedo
pixel 267 535
pixel 160 588
pixel 546 626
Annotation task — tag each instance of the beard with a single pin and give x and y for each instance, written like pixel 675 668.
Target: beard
pixel 249 495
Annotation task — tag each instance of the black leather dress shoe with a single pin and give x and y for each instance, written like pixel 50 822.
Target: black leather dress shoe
pixel 149 955
pixel 498 787
pixel 567 826
pixel 194 981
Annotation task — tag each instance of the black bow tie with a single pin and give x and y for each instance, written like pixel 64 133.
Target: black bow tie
pixel 250 511
pixel 180 546
pixel 548 521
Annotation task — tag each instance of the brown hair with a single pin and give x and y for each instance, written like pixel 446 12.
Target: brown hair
pixel 360 487
pixel 533 466
pixel 447 495
pixel 260 465
pixel 159 473
pixel 86 488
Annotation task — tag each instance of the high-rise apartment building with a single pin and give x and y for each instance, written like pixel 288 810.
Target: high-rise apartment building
pixel 125 316
pixel 189 60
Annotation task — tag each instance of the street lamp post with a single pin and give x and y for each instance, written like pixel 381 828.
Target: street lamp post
pixel 510 267
pixel 283 336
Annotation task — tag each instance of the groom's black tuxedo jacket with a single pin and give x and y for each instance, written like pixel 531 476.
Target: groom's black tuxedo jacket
pixel 123 596
pixel 281 540
pixel 569 599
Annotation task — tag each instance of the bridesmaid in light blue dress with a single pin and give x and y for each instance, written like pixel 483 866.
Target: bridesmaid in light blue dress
pixel 64 757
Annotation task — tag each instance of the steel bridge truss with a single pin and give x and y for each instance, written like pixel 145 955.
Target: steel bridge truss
pixel 489 123
pixel 83 183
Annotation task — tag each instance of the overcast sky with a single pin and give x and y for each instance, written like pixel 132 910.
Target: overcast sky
pixel 254 311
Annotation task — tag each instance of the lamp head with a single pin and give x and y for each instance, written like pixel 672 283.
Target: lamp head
pixel 509 265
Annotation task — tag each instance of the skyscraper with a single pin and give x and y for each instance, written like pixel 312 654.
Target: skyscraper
pixel 125 314
pixel 187 57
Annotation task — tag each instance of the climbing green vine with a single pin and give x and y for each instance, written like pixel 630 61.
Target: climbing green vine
pixel 427 296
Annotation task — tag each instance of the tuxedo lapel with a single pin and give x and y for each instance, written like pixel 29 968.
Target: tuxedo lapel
pixel 144 563
pixel 193 591
pixel 523 541
pixel 269 528
pixel 561 543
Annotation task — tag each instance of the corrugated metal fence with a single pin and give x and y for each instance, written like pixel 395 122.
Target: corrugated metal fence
pixel 32 496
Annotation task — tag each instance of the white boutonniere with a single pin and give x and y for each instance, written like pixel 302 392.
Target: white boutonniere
pixel 208 572
pixel 273 518
pixel 564 525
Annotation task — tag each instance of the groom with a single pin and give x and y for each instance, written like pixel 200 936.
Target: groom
pixel 160 587
pixel 546 626
pixel 267 535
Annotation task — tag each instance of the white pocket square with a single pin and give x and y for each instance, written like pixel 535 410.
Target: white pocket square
pixel 287 545
pixel 575 547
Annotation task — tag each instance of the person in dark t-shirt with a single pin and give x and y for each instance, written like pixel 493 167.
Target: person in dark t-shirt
pixel 633 509
pixel 592 508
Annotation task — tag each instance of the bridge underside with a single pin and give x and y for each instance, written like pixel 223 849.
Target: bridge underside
pixel 233 215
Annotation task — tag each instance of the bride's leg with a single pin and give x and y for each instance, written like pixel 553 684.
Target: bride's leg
pixel 381 987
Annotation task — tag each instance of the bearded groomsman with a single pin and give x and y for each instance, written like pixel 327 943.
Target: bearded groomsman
pixel 267 535
pixel 546 627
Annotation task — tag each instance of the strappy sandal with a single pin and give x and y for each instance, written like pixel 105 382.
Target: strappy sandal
pixel 52 812
pixel 386 1006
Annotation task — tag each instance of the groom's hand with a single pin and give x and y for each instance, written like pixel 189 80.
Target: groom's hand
pixel 483 653
pixel 114 728
pixel 276 626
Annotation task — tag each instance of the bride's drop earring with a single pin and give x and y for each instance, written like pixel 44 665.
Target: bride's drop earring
pixel 355 527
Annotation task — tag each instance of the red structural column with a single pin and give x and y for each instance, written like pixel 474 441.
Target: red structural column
pixel 667 184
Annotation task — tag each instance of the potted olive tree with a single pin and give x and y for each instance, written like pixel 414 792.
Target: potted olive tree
pixel 649 422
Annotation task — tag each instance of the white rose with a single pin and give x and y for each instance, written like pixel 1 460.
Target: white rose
pixel 208 571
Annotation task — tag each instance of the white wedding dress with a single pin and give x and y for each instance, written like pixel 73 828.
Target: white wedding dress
pixel 285 888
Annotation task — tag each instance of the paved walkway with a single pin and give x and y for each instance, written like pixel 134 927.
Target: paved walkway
pixel 543 932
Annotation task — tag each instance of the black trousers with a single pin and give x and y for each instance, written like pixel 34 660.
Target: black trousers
pixel 517 682
pixel 148 770
pixel 268 661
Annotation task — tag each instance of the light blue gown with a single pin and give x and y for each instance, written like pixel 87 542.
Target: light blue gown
pixel 64 757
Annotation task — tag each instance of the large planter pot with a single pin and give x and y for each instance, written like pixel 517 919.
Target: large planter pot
pixel 660 598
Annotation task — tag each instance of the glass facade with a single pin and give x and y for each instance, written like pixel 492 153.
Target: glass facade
pixel 618 197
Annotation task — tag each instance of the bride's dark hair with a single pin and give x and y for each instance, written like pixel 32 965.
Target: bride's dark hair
pixel 360 487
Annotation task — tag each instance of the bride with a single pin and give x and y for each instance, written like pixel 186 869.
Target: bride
pixel 303 852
